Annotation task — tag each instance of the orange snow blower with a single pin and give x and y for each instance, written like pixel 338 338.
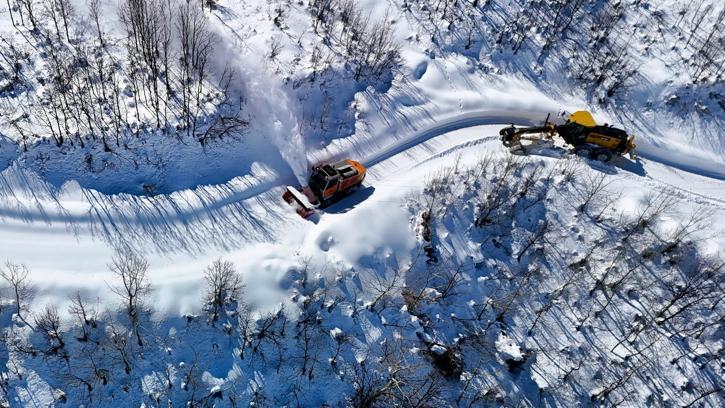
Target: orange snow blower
pixel 327 184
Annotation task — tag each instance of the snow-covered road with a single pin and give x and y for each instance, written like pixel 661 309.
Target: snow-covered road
pixel 67 237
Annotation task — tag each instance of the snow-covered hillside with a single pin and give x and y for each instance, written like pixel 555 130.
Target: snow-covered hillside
pixel 145 144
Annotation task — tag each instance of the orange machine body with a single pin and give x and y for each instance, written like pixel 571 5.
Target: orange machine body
pixel 329 180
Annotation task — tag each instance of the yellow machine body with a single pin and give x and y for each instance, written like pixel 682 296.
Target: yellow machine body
pixel 602 140
pixel 583 118
pixel 580 131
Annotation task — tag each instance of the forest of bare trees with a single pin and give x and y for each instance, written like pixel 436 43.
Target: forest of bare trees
pixel 95 87
pixel 368 45
pixel 597 323
pixel 158 78
pixel 591 40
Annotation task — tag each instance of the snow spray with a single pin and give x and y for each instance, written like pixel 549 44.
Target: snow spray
pixel 274 111
pixel 276 115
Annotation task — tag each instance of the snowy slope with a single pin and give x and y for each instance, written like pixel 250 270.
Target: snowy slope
pixel 65 211
pixel 364 234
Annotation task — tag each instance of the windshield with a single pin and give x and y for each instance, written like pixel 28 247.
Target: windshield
pixel 318 182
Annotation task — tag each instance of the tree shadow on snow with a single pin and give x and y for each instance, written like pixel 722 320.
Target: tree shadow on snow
pixel 217 216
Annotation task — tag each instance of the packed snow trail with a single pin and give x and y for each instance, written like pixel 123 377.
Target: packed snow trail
pixel 191 204
pixel 244 220
pixel 450 124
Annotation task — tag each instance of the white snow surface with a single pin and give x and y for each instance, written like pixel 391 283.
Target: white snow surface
pixel 223 202
pixel 66 233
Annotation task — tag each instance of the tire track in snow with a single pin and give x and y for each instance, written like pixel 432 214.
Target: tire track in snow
pixel 450 124
pixel 209 202
pixel 683 192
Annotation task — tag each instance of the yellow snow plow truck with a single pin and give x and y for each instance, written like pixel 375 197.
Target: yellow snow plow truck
pixel 600 142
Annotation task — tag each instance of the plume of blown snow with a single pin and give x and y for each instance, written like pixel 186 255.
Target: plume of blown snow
pixel 277 114
pixel 273 110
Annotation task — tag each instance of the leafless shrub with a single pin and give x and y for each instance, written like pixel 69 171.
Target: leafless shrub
pixel 495 198
pixel 654 208
pixel 310 335
pixel 384 289
pixel 698 288
pixel 528 181
pixel 390 378
pixel 17 277
pixel 85 316
pixel 568 169
pixel 686 230
pixel 592 192
pixel 275 47
pixel 435 191
pixel 449 281
pixel 605 71
pixel 604 393
pixel 47 323
pixel 270 331
pixel 224 286
pixel 538 236
pixel 221 123
pixel 441 282
pixel 91 365
pixel 119 342
pixel 131 271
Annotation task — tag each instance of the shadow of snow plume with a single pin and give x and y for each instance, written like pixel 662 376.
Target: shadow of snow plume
pixel 217 216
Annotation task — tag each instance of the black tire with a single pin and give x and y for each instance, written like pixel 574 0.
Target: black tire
pixel 603 155
pixel 584 151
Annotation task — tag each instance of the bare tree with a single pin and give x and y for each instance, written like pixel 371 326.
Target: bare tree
pixel 119 343
pixel 17 276
pixel 94 9
pixel 275 48
pixel 196 41
pixel 697 288
pixel 590 191
pixel 29 7
pixel 389 379
pixel 269 330
pixel 145 23
pixel 322 12
pixel 494 199
pixel 224 286
pixel 131 271
pixel 60 11
pixel 384 288
pixel 85 316
pixel 47 323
